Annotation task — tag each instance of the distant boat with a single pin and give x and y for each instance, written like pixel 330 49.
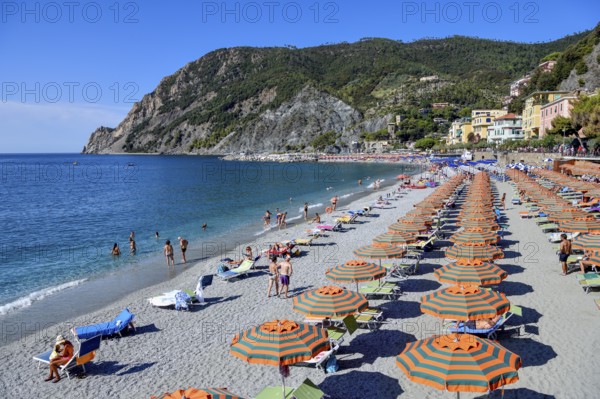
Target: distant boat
pixel 75 163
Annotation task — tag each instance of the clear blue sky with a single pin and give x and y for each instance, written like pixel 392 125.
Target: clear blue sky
pixel 69 67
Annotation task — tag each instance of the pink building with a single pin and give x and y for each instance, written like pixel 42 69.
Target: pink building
pixel 547 66
pixel 559 107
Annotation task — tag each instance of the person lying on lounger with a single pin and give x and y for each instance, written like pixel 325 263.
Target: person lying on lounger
pixel 483 324
pixel 247 256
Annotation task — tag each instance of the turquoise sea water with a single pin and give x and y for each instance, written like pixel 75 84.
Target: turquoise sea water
pixel 61 214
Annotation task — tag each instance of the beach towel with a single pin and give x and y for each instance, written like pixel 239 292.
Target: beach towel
pixel 182 300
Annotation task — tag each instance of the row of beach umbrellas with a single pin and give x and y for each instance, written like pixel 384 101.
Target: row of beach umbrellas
pixel 456 362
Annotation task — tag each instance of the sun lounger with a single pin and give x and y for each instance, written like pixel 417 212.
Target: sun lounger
pixel 588 281
pixel 594 202
pixel 597 301
pixel 387 291
pixel 303 241
pixel 238 272
pixel 82 355
pixel 338 330
pixel 308 390
pixel 121 322
pixel 548 227
pixel 555 237
pixel 320 360
pixel 177 298
pixel 329 227
pixel 490 333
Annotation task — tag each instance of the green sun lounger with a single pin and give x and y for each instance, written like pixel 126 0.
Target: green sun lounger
pixel 308 390
pixel 387 292
pixel 549 227
pixel 588 281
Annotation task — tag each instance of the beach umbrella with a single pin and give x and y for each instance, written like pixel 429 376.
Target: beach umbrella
pixel 479 224
pixel 408 228
pixel 459 363
pixel 205 393
pixel 470 273
pixel 356 271
pixel 380 252
pixel 416 219
pixel 402 176
pixel 465 303
pixel 587 242
pixel 580 226
pixel 472 253
pixel 280 343
pixel 467 237
pixel 482 217
pixel 329 301
pixel 397 238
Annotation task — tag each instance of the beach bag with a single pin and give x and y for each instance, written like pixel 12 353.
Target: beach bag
pixel 332 365
pixel 222 269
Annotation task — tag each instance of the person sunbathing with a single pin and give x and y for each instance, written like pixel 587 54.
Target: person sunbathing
pixel 584 262
pixel 316 219
pixel 247 256
pixel 483 324
pixel 62 353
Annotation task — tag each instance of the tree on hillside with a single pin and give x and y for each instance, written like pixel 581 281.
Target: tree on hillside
pixel 586 115
pixel 425 143
pixel 324 140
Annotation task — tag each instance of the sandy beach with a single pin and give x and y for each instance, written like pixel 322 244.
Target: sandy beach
pixel 174 349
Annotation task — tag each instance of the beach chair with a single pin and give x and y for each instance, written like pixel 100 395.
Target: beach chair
pixel 385 290
pixel 318 361
pixel 490 333
pixel 597 301
pixel 85 353
pixel 303 241
pixel 587 281
pixel 124 320
pixel 549 227
pixel 238 272
pixel 308 390
pixel 555 237
pixel 337 332
pixel 589 204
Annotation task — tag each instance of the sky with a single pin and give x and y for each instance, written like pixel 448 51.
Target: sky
pixel 68 67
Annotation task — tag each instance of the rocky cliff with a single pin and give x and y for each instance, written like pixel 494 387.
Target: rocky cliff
pixel 281 99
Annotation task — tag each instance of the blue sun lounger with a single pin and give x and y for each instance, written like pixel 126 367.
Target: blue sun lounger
pixel 489 332
pixel 116 326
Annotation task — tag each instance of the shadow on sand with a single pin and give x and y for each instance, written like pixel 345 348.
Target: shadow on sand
pixel 360 385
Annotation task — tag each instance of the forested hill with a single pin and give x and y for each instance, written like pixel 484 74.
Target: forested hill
pixel 273 99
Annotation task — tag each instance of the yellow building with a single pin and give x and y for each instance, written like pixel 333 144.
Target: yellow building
pixel 482 118
pixel 465 129
pixel 532 110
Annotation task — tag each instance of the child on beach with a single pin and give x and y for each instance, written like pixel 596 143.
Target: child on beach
pixel 273 276
pixel 168 251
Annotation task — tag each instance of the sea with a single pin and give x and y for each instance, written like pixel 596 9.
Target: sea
pixel 61 214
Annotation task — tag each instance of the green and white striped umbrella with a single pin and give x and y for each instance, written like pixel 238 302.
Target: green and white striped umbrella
pixel 459 363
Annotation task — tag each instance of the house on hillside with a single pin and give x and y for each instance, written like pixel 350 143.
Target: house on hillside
pixel 505 128
pixel 532 111
pixel 559 107
pixel 482 118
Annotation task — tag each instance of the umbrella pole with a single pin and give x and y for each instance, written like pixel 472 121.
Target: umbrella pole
pixel 283 386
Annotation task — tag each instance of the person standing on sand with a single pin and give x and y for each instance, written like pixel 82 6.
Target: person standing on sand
pixel 334 202
pixel 168 251
pixel 282 221
pixel 564 252
pixel 306 211
pixel 502 200
pixel 183 243
pixel 317 218
pixel 273 276
pixel 285 272
pixel 267 218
